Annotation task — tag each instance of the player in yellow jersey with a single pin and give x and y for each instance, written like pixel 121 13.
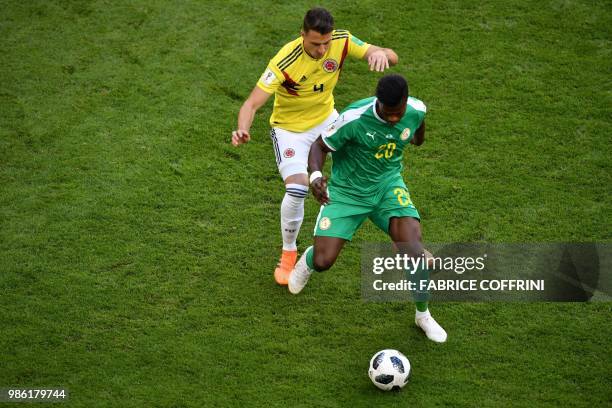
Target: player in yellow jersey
pixel 302 76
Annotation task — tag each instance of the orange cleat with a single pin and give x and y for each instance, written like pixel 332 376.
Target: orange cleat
pixel 285 266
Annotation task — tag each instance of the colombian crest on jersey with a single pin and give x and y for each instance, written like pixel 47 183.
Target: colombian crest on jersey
pixel 405 134
pixel 289 153
pixel 330 65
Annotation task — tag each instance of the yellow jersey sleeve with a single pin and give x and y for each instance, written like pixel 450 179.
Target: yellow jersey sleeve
pixel 356 47
pixel 273 76
pixel 269 81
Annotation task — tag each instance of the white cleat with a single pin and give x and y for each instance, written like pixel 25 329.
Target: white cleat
pixel 432 329
pixel 299 276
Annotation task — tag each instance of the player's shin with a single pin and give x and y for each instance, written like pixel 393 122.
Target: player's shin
pixel 420 277
pixel 422 316
pixel 292 214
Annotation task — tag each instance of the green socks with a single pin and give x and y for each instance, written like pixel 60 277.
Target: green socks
pixel 309 257
pixel 421 298
pixel 421 306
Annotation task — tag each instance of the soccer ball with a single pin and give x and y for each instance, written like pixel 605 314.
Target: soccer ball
pixel 389 370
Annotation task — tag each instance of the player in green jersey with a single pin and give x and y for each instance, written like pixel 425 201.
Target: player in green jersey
pixel 367 143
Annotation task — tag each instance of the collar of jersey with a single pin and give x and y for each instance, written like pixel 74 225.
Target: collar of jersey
pixel 376 113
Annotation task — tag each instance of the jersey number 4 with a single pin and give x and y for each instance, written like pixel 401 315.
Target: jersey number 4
pixel 318 88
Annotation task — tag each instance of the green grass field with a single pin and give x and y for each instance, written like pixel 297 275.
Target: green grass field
pixel 137 245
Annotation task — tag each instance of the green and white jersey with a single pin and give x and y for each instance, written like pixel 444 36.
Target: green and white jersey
pixel 367 151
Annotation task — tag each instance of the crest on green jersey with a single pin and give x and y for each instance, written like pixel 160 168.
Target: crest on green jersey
pixel 405 134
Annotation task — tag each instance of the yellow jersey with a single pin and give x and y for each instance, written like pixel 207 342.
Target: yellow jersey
pixel 304 86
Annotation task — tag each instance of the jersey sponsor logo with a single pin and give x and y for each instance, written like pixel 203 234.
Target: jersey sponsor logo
pixel 405 134
pixel 289 153
pixel 330 65
pixel 268 77
pixel 325 223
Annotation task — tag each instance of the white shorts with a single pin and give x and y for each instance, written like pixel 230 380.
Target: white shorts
pixel 291 149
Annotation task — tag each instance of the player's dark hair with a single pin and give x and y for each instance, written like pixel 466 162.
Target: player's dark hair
pixel 391 89
pixel 319 20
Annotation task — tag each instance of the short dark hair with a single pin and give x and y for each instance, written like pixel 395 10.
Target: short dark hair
pixel 319 20
pixel 391 89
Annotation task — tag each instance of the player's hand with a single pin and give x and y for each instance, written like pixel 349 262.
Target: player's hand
pixel 319 190
pixel 240 136
pixel 378 61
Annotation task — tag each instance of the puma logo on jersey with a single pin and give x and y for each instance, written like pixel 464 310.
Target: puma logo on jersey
pixel 371 134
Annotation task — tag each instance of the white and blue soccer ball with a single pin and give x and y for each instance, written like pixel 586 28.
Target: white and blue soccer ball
pixel 389 370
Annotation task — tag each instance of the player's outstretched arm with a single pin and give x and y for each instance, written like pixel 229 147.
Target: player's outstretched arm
pixel 255 101
pixel 379 58
pixel 316 161
pixel 419 135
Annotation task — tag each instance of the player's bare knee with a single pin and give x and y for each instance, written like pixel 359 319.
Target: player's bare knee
pixel 406 234
pixel 301 179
